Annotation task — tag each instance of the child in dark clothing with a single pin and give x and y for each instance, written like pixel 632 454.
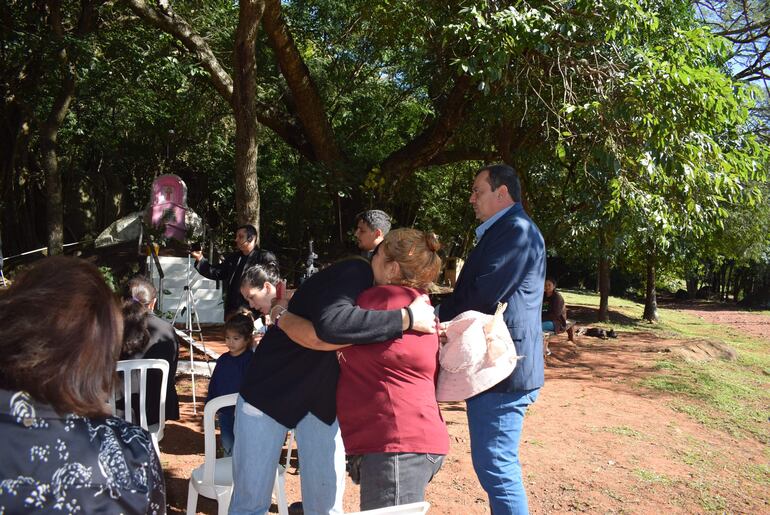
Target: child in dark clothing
pixel 230 371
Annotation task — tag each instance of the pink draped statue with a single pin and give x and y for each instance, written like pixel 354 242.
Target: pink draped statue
pixel 168 205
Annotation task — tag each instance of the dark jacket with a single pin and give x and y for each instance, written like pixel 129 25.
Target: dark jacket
pixel 163 345
pixel 555 311
pixel 287 381
pixel 230 270
pixel 507 265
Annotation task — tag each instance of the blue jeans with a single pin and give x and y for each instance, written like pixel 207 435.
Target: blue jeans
pixel 495 421
pixel 258 442
pixel 548 326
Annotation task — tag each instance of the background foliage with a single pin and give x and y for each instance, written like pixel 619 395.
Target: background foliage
pixel 637 130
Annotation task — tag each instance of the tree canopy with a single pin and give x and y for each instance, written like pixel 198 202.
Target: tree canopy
pixel 631 125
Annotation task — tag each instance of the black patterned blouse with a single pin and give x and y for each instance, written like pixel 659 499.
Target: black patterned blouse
pixel 72 464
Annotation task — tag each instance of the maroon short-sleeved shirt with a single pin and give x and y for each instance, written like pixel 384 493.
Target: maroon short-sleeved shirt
pixel 386 394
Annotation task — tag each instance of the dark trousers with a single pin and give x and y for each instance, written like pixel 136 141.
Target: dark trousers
pixel 390 479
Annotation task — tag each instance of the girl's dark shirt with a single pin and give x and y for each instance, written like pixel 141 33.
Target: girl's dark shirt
pixel 287 381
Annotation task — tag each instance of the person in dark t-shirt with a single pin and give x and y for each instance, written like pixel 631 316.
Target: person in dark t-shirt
pixel 288 386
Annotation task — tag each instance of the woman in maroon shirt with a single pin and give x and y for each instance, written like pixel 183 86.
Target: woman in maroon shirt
pixel 392 428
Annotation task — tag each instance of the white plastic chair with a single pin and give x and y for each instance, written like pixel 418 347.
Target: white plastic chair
pixel 214 479
pixel 411 508
pixel 136 370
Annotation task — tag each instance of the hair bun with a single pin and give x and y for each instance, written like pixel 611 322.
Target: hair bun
pixel 431 240
pixel 245 312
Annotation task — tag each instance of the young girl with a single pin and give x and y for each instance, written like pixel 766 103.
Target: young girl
pixel 230 370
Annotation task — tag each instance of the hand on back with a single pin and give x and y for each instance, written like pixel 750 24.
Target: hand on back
pixel 423 315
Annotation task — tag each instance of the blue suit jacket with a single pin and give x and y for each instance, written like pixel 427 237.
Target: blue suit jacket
pixel 507 265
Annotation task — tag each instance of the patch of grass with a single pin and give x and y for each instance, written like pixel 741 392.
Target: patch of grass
pixel 729 395
pixel 710 501
pixel 695 411
pixel 623 431
pixel 693 458
pixel 665 365
pixel 759 474
pixel 649 476
pixel 699 455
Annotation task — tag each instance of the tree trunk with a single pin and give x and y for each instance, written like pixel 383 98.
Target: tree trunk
pixel 604 279
pixel 692 285
pixel 721 279
pixel 49 131
pixel 737 283
pixel 728 282
pixel 650 299
pixel 309 105
pixel 245 110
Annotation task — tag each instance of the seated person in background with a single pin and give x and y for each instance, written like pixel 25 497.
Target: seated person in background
pixel 230 370
pixel 146 336
pixel 554 311
pixel 60 336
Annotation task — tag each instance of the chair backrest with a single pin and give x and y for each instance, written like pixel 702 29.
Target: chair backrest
pixel 209 434
pixel 136 370
pixel 411 508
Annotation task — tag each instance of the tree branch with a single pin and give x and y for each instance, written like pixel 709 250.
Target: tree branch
pixel 166 20
pixel 463 154
pixel 425 147
pixel 309 106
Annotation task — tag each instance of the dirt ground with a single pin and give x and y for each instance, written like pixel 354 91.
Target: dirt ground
pixel 595 441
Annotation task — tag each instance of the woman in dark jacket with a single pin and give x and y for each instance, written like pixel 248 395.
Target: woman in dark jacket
pixel 145 336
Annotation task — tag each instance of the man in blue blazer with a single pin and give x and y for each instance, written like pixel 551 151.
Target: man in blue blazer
pixel 506 265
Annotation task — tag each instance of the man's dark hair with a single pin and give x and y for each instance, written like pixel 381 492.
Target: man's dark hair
pixel 251 231
pixel 375 219
pixel 499 175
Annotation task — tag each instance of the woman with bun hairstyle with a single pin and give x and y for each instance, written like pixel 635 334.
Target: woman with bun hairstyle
pixel 391 424
pixel 392 428
pixel 290 386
